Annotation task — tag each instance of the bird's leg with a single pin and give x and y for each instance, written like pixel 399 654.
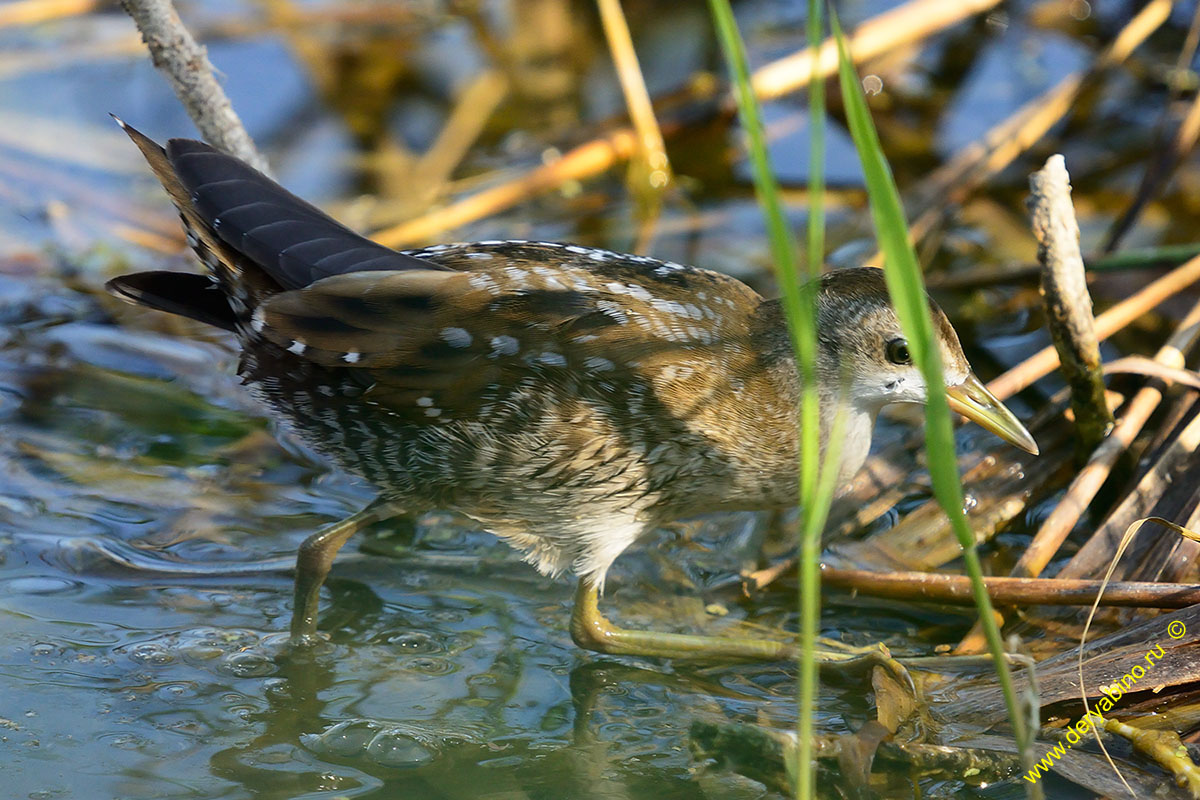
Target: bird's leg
pixel 316 557
pixel 591 630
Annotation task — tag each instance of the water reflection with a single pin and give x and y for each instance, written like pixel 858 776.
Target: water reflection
pixel 129 455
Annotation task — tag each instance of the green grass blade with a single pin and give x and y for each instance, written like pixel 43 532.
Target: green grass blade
pixel 799 303
pixel 906 286
pixel 816 143
pixel 815 500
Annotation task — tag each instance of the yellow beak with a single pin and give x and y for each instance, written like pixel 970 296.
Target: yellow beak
pixel 972 399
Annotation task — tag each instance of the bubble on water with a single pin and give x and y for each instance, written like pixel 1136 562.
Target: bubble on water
pixel 151 654
pixel 410 642
pixel 396 745
pixel 249 664
pixel 43 649
pixel 393 748
pixel 345 739
pixel 202 652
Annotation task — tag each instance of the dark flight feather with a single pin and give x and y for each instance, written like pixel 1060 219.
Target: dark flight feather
pixel 288 238
pixel 182 293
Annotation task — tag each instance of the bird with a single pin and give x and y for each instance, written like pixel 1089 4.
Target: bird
pixel 569 399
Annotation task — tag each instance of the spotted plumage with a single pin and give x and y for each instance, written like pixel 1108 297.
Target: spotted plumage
pixel 560 395
pixel 568 398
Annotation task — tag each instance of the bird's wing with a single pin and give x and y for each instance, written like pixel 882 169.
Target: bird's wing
pixel 288 238
pixel 456 336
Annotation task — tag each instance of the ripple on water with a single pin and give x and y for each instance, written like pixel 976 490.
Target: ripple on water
pixel 249 664
pixel 430 666
pixel 409 642
pixel 176 692
pixel 41 585
pixel 125 740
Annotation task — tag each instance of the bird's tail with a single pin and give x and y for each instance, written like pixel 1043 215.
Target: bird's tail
pixel 255 237
pixel 236 286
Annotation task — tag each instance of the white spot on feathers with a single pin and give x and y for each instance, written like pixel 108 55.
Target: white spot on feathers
pixel 456 337
pixel 505 345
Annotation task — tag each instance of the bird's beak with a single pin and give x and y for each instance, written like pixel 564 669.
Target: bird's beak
pixel 972 399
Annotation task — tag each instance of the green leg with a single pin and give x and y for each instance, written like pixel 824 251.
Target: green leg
pixel 316 557
pixel 592 631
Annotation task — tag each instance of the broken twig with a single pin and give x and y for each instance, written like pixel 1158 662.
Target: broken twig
pixel 1068 304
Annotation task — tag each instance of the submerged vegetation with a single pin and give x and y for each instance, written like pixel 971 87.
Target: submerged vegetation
pixel 148 515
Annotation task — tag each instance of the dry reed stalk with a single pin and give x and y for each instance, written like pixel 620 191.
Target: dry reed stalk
pixel 1148 367
pixel 1114 319
pixel 651 149
pixel 1170 255
pixel 1168 156
pixel 30 12
pixel 883 33
pixel 1083 489
pixel 166 245
pixel 899 27
pixel 424 177
pixel 1097 551
pixel 584 161
pixel 956 589
pixel 971 166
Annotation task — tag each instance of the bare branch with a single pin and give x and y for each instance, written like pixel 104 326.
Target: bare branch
pixel 185 63
pixel 1068 304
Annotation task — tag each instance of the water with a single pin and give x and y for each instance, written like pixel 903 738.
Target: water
pixel 129 451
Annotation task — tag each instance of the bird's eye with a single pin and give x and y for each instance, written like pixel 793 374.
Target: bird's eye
pixel 897 352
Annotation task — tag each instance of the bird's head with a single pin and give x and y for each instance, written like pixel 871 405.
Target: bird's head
pixel 863 350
